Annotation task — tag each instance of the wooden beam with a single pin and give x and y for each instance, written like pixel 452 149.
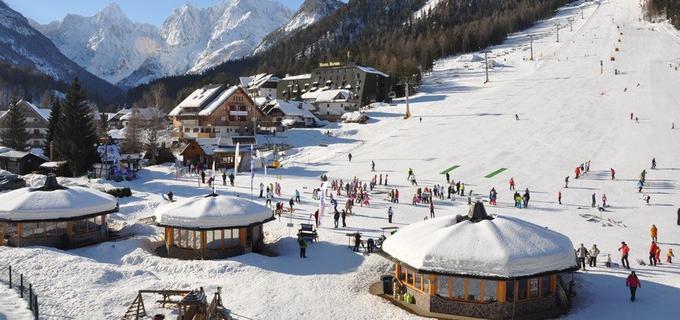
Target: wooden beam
pixel 222 231
pixel 20 229
pixel 500 291
pixel 433 284
pixel 69 230
pixel 203 242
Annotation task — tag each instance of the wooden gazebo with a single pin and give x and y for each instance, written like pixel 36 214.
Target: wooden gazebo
pixel 212 227
pixel 480 266
pixel 54 215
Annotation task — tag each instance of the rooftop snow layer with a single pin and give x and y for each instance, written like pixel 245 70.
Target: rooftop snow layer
pixel 212 212
pixel 33 204
pixel 373 70
pixel 197 99
pixel 218 101
pixel 503 247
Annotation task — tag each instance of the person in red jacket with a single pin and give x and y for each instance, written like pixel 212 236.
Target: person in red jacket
pixel 577 172
pixel 652 253
pixel 624 255
pixel 613 173
pixel 633 283
pixel 512 183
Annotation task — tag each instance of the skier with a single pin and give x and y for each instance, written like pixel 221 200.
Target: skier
pixel 559 197
pixel 231 178
pixel 349 156
pixel 669 256
pixel 386 175
pixel 261 189
pixel 336 217
pixel 431 209
pixel 613 173
pixel 291 202
pixel 269 197
pixel 512 183
pixel 316 218
pixel 357 241
pixel 526 198
pixel 396 195
pixel 653 233
pixel 390 212
pixel 421 119
pixel 593 200
pixel 380 180
pixel 604 200
pixel 640 184
pixel 577 172
pixel 297 196
pixel 448 178
pixel 516 117
pixel 492 196
pixel 581 254
pixel 624 255
pixel 203 177
pixel 631 116
pixel 372 165
pixel 224 178
pixel 653 163
pixel 344 215
pixel 462 189
pixel 170 196
pixel 303 247
pixel 566 182
pixel 633 283
pixel 652 253
pixel 594 252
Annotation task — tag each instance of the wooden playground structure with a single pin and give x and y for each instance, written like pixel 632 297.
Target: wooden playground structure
pixel 191 305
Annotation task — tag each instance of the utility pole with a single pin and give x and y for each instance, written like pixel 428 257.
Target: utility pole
pixel 582 16
pixel 408 110
pixel 531 44
pixel 486 60
pixel 406 81
pixel 557 28
pixel 571 24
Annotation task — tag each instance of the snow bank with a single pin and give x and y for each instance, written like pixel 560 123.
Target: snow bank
pixel 503 247
pixel 355 116
pixel 33 204
pixel 212 212
pixel 12 307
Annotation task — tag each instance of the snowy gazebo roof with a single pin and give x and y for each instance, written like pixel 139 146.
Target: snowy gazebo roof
pixel 54 202
pixel 212 212
pixel 481 246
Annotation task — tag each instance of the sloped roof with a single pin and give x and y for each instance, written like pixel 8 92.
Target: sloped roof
pixel 218 101
pixel 298 77
pixel 212 211
pixel 293 108
pixel 334 95
pixel 143 113
pixel 44 114
pixel 197 99
pixel 503 247
pixel 373 70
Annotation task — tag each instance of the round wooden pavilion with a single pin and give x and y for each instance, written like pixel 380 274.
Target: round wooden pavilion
pixel 212 227
pixel 480 266
pixel 55 216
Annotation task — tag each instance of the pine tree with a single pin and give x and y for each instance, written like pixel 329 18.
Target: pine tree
pixel 53 129
pixel 76 140
pixel 15 135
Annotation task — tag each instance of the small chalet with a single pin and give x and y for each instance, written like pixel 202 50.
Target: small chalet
pixel 221 150
pixel 332 104
pixel 54 215
pixel 212 226
pixel 215 111
pixel 294 114
pixel 20 162
pixel 261 85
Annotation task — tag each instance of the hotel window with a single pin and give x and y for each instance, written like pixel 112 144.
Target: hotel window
pixel 187 130
pixel 474 289
pixel 522 289
pixel 426 284
pixel 545 285
pixel 402 274
pixel 232 118
pixel 418 281
pixel 232 108
pixel 241 118
pixel 195 130
pixel 533 287
pixel 409 277
pixel 242 108
pixel 510 290
pixel 490 291
pixel 458 288
pixel 443 286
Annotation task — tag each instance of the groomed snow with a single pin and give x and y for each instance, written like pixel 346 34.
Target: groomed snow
pixel 212 212
pixel 12 306
pixel 32 204
pixel 504 247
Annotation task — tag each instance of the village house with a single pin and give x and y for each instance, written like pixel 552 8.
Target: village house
pixel 36 123
pixel 261 85
pixel 215 111
pixel 332 104
pixel 292 114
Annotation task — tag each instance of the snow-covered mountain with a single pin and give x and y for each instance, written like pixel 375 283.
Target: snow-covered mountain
pixel 24 46
pixel 191 39
pixel 309 13
pixel 107 44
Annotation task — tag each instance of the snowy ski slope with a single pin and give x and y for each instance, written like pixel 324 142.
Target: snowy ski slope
pixel 568 113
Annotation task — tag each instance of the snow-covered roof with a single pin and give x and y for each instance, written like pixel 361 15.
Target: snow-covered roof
pixel 334 95
pixel 504 247
pixel 42 113
pixel 218 101
pixel 72 202
pixel 207 212
pixel 298 77
pixel 373 70
pixel 471 57
pixel 293 108
pixel 143 113
pixel 311 95
pixel 257 80
pixel 197 99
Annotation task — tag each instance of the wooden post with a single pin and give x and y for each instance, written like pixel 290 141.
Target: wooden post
pixel 242 236
pixel 433 284
pixel 222 239
pixel 500 292
pixel 69 230
pixel 20 231
pixel 203 243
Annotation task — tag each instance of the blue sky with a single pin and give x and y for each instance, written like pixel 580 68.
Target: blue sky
pixel 149 11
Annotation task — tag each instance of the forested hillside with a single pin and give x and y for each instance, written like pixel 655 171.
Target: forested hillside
pixel 666 9
pixel 380 33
